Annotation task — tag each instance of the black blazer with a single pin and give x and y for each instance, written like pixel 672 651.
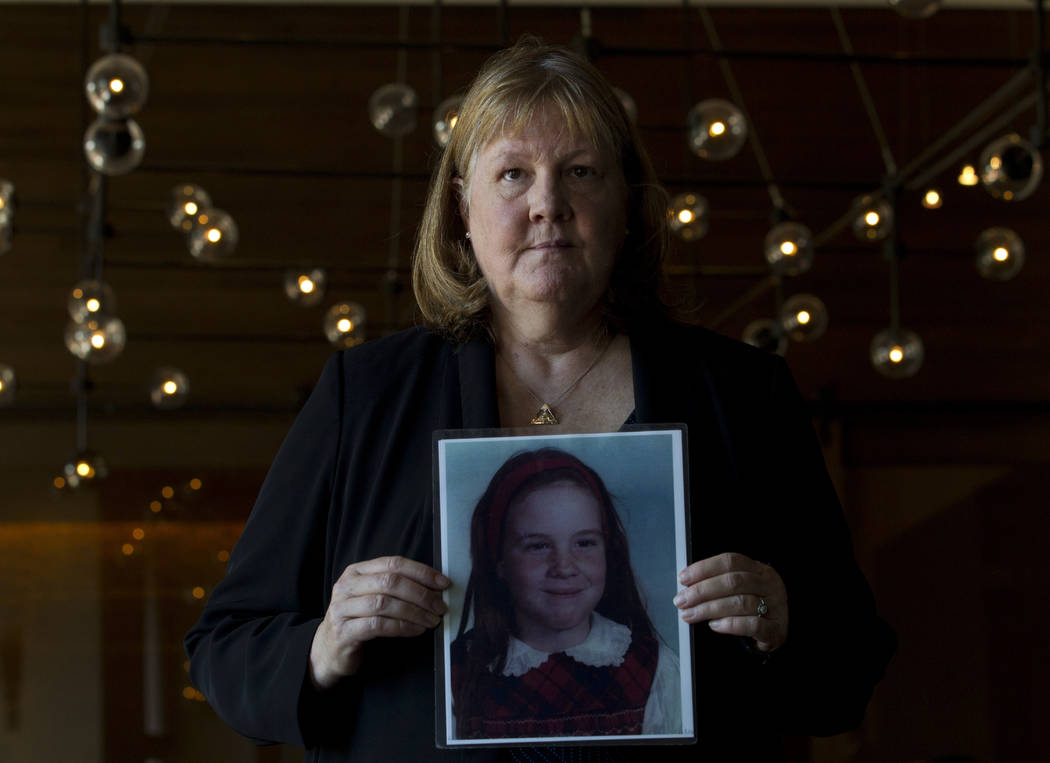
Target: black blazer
pixel 352 481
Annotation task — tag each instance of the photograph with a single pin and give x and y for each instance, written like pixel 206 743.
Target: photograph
pixel 563 551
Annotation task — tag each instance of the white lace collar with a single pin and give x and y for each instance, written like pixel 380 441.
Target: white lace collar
pixel 606 644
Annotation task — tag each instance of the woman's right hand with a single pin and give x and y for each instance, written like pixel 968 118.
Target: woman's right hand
pixel 386 597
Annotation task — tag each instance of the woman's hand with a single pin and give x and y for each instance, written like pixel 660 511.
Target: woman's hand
pixel 728 591
pixel 386 597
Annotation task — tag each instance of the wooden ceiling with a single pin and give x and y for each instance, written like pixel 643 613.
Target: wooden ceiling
pixel 266 108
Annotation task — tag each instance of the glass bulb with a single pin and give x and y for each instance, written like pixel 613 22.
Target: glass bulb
pixel 896 354
pixel 1011 168
pixel 7 202
pixel 1000 254
pixel 8 384
pixel 789 248
pixel 688 216
pixel 187 200
pixel 344 324
pixel 932 199
pixel 116 86
pixel 628 104
pixel 82 469
pixel 169 388
pixel 968 175
pixel 717 129
pixel 305 286
pixel 766 334
pixel 392 109
pixel 90 298
pixel 804 318
pixel 873 220
pixel 915 9
pixel 214 236
pixel 98 339
pixel 114 147
pixel 445 117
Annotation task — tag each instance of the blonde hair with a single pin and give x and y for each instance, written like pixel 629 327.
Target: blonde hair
pixel 511 89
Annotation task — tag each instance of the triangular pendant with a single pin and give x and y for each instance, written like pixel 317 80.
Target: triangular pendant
pixel 544 416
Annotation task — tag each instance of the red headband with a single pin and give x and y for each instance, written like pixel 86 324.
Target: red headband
pixel 512 481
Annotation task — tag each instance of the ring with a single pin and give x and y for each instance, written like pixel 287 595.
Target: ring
pixel 762 608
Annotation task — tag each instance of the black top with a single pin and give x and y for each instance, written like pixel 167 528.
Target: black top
pixel 352 481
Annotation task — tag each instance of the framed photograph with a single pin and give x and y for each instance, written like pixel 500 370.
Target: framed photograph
pixel 563 551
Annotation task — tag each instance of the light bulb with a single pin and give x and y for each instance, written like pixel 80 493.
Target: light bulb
pixel 804 318
pixel 214 236
pixel 1000 254
pixel 89 298
pixel 344 324
pixel 789 248
pixel 116 86
pixel 99 339
pixel 716 129
pixel 932 199
pixel 82 469
pixel 445 117
pixel 968 175
pixel 688 216
pixel 305 286
pixel 8 384
pixel 186 201
pixel 7 202
pixel 114 147
pixel 915 9
pixel 1011 168
pixel 628 104
pixel 766 334
pixel 392 109
pixel 897 354
pixel 169 388
pixel 873 219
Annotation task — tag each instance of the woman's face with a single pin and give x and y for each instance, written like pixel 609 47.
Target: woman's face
pixel 546 216
pixel 553 563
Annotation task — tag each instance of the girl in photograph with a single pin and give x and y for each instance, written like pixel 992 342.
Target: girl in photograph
pixel 560 643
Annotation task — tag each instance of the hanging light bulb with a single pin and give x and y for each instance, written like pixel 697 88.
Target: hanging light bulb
pixel 445 117
pixel 7 201
pixel 789 248
pixel 897 354
pixel 932 199
pixel 90 298
pixel 187 200
pixel 804 318
pixel 915 9
pixel 688 216
pixel 169 388
pixel 114 147
pixel 8 384
pixel 98 339
pixel 392 109
pixel 116 86
pixel 344 324
pixel 873 219
pixel 1000 254
pixel 305 286
pixel 82 469
pixel 968 176
pixel 717 129
pixel 766 334
pixel 628 104
pixel 1011 168
pixel 214 235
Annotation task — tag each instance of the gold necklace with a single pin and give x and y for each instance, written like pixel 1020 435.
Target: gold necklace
pixel 545 414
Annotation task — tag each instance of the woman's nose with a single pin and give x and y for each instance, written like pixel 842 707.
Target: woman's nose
pixel 562 563
pixel 548 199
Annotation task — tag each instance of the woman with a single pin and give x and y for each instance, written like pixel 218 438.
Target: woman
pixel 554 603
pixel 537 271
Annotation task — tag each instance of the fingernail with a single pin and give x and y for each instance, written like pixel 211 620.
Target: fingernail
pixel 681 576
pixel 679 600
pixel 443 581
pixel 715 624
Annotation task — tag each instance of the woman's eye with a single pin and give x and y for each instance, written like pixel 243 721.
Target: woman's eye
pixel 581 171
pixel 536 546
pixel 512 174
pixel 587 542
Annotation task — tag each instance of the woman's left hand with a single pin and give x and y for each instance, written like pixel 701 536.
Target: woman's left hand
pixel 736 595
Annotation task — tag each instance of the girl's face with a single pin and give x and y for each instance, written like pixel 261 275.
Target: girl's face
pixel 553 563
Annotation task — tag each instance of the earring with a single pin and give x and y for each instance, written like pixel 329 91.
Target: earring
pixel 468 235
